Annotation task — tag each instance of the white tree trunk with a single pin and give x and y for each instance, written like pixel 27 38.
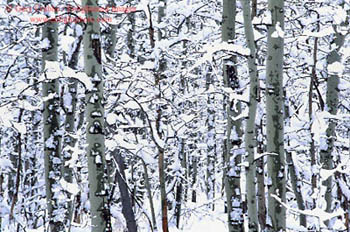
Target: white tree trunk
pixel 332 101
pixel 274 117
pixel 52 137
pixel 232 156
pixel 250 137
pixel 98 177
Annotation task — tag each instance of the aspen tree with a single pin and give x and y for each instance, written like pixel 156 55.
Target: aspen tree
pixel 98 178
pixel 332 101
pixel 52 135
pixel 250 141
pixel 274 117
pixel 233 132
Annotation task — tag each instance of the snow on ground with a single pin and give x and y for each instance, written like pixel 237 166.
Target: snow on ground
pixel 207 223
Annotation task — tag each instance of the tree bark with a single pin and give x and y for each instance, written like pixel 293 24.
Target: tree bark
pixel 211 140
pixel 332 101
pixel 98 177
pixel 250 141
pixel 124 193
pixel 312 150
pixel 274 117
pixel 52 137
pixel 149 192
pixel 70 126
pixel 19 166
pixel 260 176
pixel 161 161
pixel 232 157
pixel 296 183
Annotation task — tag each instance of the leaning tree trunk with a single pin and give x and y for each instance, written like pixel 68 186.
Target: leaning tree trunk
pixel 233 132
pixel 274 117
pixel 98 178
pixel 124 192
pixel 52 139
pixel 293 173
pixel 127 209
pixel 250 141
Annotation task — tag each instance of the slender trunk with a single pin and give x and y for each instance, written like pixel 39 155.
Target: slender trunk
pixel 183 155
pixel 69 105
pixel 260 163
pixel 52 137
pixel 181 189
pixel 124 193
pixel 254 8
pixel 157 76
pixel 180 185
pixel 274 117
pixel 131 51
pixel 35 151
pixel 161 161
pixel 111 36
pixel 150 197
pixel 12 172
pixel 312 150
pixel 111 39
pixel 131 31
pixel 127 201
pixel 312 142
pixel 332 100
pixel 1 190
pixel 194 177
pixel 164 203
pixel 19 166
pixel 260 175
pixel 250 141
pixel 80 121
pixel 232 157
pixel 296 184
pixel 211 140
pixel 98 177
pixel 12 176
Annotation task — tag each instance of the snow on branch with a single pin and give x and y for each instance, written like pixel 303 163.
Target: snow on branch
pixel 343 167
pixel 260 155
pixel 53 71
pixel 317 212
pixel 210 49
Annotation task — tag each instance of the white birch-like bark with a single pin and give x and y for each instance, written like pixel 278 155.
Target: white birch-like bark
pixel 250 136
pixel 98 177
pixel 211 140
pixel 52 137
pixel 332 101
pixel 232 156
pixel 274 117
pixel 70 126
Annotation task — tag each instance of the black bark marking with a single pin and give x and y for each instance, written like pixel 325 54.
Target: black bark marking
pixel 96 47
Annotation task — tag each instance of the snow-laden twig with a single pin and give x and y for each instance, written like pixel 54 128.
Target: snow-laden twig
pixel 317 212
pixel 210 49
pixel 260 155
pixel 343 167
